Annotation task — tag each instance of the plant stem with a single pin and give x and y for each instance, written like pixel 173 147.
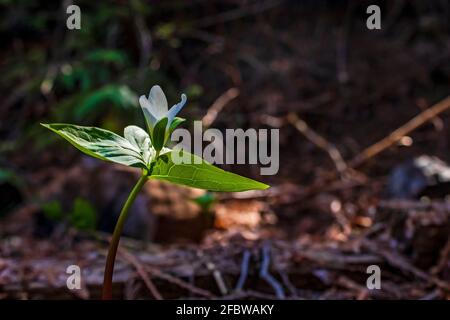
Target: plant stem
pixel 110 260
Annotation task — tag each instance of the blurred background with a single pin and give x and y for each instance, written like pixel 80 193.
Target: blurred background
pixel 309 68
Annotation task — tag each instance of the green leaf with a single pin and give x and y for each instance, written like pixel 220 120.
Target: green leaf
pixel 107 55
pixel 53 210
pixel 100 143
pixel 200 174
pixel 140 139
pixel 83 215
pixel 175 123
pixel 159 134
pixel 119 96
pixel 205 201
pixel 9 176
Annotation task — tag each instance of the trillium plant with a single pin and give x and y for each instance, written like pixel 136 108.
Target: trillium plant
pixel 147 151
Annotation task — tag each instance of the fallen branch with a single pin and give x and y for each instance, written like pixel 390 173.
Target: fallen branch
pixel 218 105
pixel 218 278
pixel 319 141
pixel 397 260
pixel 264 273
pixel 244 270
pixel 182 284
pixel 399 133
pixel 141 272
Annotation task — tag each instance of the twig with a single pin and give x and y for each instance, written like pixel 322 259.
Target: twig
pixel 339 260
pixel 253 194
pixel 264 273
pixel 218 105
pixel 342 220
pixel 142 273
pixel 319 141
pixel 218 277
pixel 361 292
pixel 244 270
pixel 276 122
pixel 397 260
pixel 433 295
pixel 437 122
pixel 443 260
pixel 183 284
pixel 287 282
pixel 402 131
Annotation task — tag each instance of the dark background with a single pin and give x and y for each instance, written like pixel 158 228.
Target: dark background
pixel 263 61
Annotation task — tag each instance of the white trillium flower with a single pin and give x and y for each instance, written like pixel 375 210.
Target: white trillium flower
pixel 155 107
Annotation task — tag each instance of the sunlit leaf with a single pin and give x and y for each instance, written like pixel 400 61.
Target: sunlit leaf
pixel 140 139
pixel 100 143
pixel 202 175
pixel 175 123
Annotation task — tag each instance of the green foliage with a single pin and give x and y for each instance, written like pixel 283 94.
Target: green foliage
pixel 104 144
pixel 86 76
pixel 165 30
pixel 53 210
pixel 159 134
pixel 139 149
pixel 205 201
pixel 116 57
pixel 135 150
pixel 119 96
pixel 175 123
pixel 194 90
pixel 198 173
pixel 9 176
pixel 83 215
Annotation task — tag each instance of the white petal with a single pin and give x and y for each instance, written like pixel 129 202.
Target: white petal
pixel 158 102
pixel 144 102
pixel 176 108
pixel 146 109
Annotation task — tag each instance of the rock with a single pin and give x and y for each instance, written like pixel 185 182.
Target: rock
pixel 179 218
pixel 422 176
